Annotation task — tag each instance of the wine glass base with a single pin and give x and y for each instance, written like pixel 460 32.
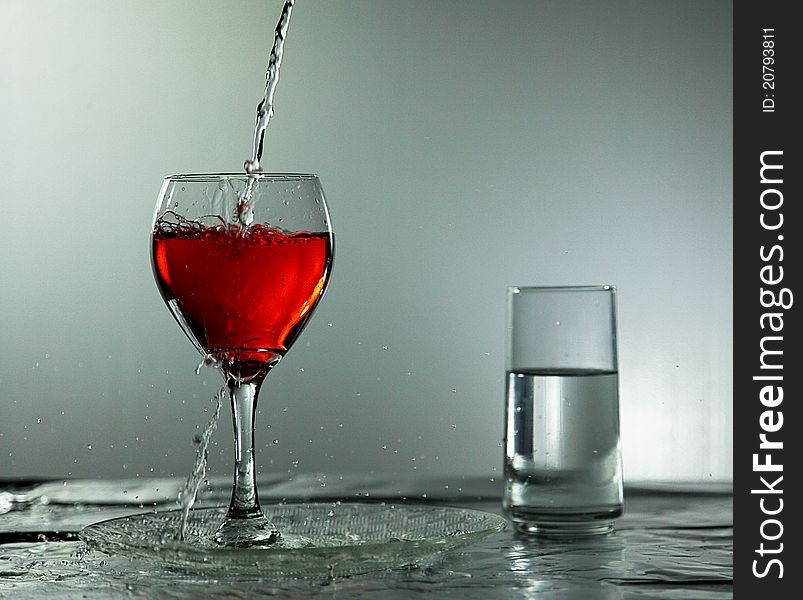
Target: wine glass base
pixel 317 539
pixel 256 532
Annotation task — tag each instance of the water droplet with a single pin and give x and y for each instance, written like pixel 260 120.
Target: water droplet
pixel 208 361
pixel 557 323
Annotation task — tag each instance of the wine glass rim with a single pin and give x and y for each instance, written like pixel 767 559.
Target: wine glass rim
pixel 241 175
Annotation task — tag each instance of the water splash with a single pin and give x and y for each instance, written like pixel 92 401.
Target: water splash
pixel 265 107
pixel 245 209
pixel 188 494
pixel 208 361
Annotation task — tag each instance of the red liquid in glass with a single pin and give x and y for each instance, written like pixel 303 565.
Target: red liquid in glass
pixel 244 296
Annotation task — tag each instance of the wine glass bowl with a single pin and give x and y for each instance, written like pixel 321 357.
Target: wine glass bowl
pixel 242 293
pixel 242 260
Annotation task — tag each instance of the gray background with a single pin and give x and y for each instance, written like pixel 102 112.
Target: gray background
pixel 464 146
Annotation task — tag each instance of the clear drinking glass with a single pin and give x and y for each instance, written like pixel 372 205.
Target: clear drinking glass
pixel 562 450
pixel 242 260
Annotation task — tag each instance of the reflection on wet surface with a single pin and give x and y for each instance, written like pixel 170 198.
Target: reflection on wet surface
pixel 671 544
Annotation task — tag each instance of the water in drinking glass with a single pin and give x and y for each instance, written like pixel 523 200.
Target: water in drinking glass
pixel 562 451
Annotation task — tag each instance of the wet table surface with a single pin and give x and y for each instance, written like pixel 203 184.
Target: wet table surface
pixel 675 541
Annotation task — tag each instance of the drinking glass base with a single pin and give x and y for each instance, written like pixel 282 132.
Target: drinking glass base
pixel 566 523
pixel 566 530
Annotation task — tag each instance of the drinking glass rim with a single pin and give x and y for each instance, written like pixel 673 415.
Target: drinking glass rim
pixel 515 289
pixel 203 177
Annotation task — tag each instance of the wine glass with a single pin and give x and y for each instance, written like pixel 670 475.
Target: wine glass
pixel 242 260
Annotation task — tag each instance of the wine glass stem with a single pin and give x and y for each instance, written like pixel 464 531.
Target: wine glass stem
pixel 244 499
